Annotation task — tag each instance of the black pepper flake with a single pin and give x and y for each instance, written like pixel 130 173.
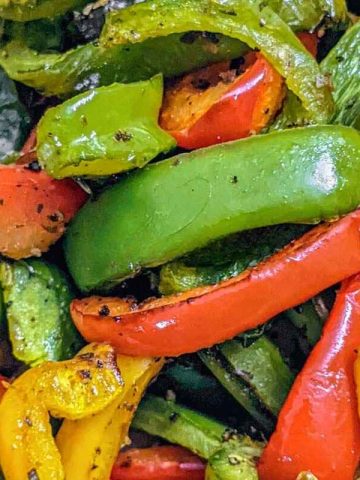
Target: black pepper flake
pixel 28 422
pixel 34 166
pixel 234 179
pixel 104 311
pixel 173 417
pixel 99 364
pixel 98 450
pixel 54 217
pixel 32 474
pixel 201 84
pixel 122 136
pixel 85 374
pixel 39 207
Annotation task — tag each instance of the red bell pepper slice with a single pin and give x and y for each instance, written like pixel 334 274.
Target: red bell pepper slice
pixel 318 428
pixel 34 209
pixel 218 104
pixel 158 463
pixel 199 318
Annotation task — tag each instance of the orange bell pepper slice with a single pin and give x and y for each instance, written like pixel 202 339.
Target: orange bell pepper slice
pixel 34 209
pixel 217 104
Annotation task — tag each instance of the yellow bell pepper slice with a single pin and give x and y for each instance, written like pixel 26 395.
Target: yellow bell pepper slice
pixel 72 389
pixel 90 446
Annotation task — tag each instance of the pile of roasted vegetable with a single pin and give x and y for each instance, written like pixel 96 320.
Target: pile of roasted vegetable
pixel 179 240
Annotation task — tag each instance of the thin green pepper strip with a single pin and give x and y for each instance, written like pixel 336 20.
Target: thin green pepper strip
pixel 257 26
pixel 90 65
pixel 342 65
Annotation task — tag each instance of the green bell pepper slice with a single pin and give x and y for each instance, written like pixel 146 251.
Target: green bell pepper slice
pixel 202 435
pixel 254 24
pixel 91 65
pixel 37 296
pixel 173 207
pixel 226 258
pixel 25 10
pixel 104 131
pixel 342 66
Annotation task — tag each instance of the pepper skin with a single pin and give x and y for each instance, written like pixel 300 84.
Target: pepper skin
pixel 104 131
pixel 318 429
pixel 204 316
pixel 172 207
pixel 251 22
pixel 219 104
pixel 158 463
pixel 89 446
pixel 34 209
pixel 73 389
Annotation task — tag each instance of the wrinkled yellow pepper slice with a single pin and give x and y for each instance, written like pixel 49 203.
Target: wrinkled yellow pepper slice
pixel 89 446
pixel 72 389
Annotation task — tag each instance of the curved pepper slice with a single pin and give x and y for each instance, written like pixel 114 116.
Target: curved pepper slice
pixel 73 389
pixel 255 24
pixel 220 103
pixel 104 131
pixel 225 101
pixel 166 462
pixel 318 429
pixel 89 446
pixel 204 316
pixel 34 209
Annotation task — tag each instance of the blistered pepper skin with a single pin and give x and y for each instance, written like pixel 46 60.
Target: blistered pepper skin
pixel 318 429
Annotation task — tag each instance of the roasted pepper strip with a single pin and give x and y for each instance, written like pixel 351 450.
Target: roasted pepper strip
pixel 73 389
pixel 220 103
pixel 318 429
pixel 256 25
pixel 170 208
pixel 107 130
pixel 89 446
pixel 89 66
pixel 202 317
pixel 34 209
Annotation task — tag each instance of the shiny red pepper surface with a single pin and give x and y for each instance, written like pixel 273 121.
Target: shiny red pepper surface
pixel 318 428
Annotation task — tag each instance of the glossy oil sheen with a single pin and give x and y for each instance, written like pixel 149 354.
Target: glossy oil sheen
pixel 175 206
